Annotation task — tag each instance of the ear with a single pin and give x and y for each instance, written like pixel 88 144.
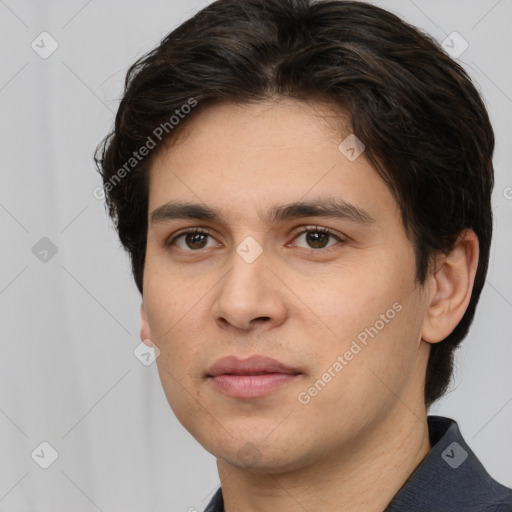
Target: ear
pixel 451 286
pixel 145 331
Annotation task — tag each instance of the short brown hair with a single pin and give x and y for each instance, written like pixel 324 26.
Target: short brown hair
pixel 424 125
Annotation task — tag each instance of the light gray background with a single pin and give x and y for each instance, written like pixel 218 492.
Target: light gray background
pixel 69 325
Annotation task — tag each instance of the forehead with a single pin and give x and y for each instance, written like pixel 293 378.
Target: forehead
pixel 255 156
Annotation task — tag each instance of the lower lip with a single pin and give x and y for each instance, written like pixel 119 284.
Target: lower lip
pixel 251 386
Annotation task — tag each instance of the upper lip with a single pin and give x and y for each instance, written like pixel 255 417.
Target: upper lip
pixel 253 365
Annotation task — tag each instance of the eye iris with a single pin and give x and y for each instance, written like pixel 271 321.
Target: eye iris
pixel 316 239
pixel 196 240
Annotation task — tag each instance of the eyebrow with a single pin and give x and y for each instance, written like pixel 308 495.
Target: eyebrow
pixel 327 208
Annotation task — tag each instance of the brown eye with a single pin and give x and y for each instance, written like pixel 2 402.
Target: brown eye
pixel 196 240
pixel 192 240
pixel 318 238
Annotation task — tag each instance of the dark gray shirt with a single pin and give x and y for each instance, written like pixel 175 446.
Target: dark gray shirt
pixel 449 479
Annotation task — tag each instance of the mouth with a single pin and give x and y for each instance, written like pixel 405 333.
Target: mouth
pixel 254 377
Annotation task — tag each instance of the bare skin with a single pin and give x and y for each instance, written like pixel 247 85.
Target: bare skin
pixel 353 443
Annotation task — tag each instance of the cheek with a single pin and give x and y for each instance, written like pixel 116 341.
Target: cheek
pixel 173 319
pixel 347 301
pixel 369 376
pixel 372 316
pixel 169 299
pixel 173 314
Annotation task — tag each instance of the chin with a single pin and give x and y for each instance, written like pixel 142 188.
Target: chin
pixel 259 457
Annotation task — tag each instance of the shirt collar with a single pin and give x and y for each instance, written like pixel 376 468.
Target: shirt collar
pixel 450 477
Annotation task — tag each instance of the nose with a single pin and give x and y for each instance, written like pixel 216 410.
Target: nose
pixel 250 295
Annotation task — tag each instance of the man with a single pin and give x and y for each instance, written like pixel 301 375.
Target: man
pixel 304 189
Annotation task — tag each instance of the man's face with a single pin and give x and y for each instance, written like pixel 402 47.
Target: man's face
pixel 341 310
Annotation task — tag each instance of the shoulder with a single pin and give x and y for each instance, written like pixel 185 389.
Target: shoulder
pixel 451 477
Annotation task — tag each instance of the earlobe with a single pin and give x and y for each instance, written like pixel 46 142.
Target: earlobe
pixel 452 285
pixel 145 331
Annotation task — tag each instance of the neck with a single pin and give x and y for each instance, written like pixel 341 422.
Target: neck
pixel 361 478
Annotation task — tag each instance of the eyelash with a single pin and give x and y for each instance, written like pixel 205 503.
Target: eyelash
pixel 308 229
